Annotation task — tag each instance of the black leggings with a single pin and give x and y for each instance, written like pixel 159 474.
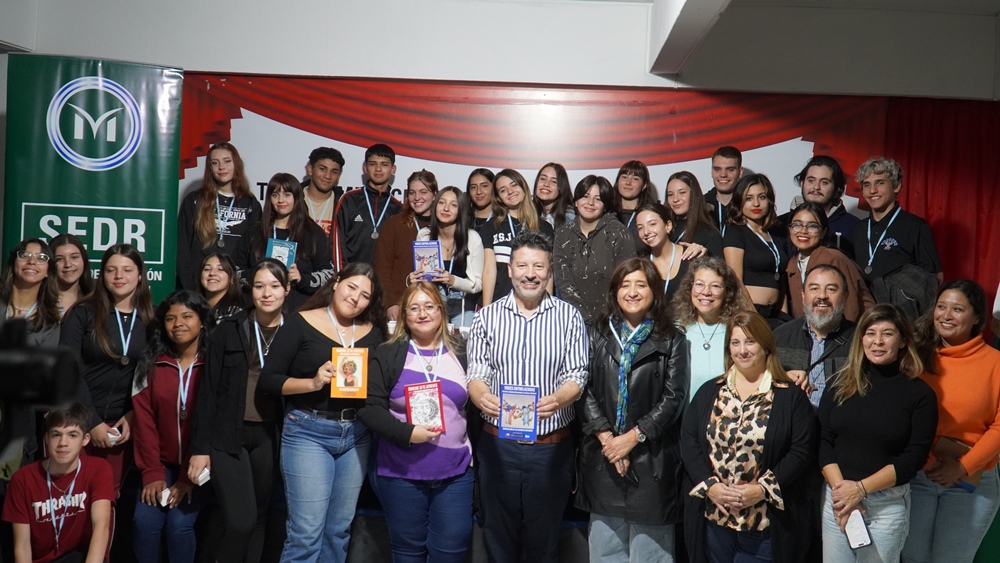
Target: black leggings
pixel 243 484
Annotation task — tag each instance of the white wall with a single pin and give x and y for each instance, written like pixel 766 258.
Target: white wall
pixel 17 24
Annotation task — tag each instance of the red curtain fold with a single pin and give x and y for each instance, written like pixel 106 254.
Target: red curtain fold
pixel 522 126
pixel 948 151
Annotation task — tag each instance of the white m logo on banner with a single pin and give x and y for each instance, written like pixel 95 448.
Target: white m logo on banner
pixel 111 132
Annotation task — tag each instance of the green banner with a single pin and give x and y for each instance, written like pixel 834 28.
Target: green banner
pixel 92 150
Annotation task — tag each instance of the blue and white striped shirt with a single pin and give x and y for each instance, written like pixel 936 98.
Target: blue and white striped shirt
pixel 545 351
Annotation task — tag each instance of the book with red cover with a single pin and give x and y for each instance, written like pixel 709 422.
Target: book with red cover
pixel 424 405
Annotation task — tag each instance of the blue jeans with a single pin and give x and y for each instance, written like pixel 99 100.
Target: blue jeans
pixel 613 540
pixel 888 521
pixel 179 521
pixel 726 545
pixel 949 523
pixel 428 520
pixel 323 463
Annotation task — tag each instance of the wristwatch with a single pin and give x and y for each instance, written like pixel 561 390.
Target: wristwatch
pixel 638 434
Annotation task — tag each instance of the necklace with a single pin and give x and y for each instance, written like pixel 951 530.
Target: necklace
pixel 707 345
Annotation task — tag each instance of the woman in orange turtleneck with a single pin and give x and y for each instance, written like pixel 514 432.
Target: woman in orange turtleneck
pixel 955 497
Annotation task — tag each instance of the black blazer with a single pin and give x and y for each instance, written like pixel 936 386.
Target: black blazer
pixel 385 368
pixel 790 449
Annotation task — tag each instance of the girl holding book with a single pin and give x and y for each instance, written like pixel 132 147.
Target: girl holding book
pixel 393 250
pixel 287 230
pixel 324 447
pixel 955 497
pixel 72 268
pixel 235 431
pixel 460 278
pixel 167 378
pixel 424 475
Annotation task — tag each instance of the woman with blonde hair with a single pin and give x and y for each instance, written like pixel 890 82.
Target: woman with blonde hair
pixel 513 212
pixel 876 427
pixel 746 483
pixel 423 473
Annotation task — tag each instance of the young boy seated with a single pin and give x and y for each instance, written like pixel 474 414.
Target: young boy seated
pixel 60 507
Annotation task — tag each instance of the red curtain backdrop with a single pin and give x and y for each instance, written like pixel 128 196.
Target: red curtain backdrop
pixel 947 148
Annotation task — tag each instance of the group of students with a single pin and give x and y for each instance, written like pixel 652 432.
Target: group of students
pixel 686 417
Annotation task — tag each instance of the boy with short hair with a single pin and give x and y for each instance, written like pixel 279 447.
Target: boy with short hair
pixel 321 190
pixel 361 213
pixel 60 507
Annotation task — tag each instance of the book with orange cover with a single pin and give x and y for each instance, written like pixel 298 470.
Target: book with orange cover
pixel 351 378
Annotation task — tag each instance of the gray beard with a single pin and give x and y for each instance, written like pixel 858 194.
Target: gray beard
pixel 825 322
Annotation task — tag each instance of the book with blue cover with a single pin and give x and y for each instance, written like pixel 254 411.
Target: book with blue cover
pixel 427 257
pixel 281 250
pixel 518 413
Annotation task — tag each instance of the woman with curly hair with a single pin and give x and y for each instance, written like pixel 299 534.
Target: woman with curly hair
pixel 708 297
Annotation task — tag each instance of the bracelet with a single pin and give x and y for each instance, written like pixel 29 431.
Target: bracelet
pixel 864 488
pixel 861 490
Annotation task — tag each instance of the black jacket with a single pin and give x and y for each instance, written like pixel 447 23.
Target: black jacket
pixel 384 368
pixel 658 391
pixel 244 220
pixel 222 392
pixel 795 347
pixel 790 445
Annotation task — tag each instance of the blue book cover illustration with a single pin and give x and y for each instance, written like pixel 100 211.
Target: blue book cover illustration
pixel 518 413
pixel 427 257
pixel 282 251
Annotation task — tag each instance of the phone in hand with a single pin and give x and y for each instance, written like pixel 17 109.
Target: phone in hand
pixel 857 531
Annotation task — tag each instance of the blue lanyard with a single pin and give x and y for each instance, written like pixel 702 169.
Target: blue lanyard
pixel 871 250
pixel 772 246
pixel 329 311
pixel 513 231
pixel 322 213
pixel 35 306
pixel 618 338
pixel 52 502
pixel 673 254
pixel 218 214
pixel 630 219
pixel 185 382
pixel 121 330
pixel 371 214
pixel 260 337
pixel 420 360
pixel 722 221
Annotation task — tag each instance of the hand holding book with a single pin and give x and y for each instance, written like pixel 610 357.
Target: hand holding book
pixel 423 434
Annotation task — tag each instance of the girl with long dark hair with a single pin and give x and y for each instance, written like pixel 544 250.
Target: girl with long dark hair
pixel 28 290
pixel 72 267
pixel 167 379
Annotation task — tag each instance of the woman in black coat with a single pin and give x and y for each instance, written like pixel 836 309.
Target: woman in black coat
pixel 629 460
pixel 749 442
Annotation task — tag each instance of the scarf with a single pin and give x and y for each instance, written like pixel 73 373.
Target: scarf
pixel 629 346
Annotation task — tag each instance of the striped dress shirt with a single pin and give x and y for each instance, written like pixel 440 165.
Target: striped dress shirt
pixel 545 350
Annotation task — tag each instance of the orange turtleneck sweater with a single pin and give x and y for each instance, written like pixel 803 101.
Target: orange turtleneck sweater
pixel 968 391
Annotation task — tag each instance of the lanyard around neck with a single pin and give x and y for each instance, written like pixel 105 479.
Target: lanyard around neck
pixel 57 528
pixel 312 209
pixel 423 366
pixel 354 326
pixel 371 213
pixel 218 213
pixel 772 246
pixel 184 375
pixel 121 330
pixel 618 339
pixel 260 337
pixel 872 250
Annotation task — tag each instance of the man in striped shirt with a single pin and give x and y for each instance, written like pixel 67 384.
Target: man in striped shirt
pixel 532 339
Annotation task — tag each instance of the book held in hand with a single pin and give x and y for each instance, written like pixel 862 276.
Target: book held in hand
pixel 427 257
pixel 518 413
pixel 281 250
pixel 424 405
pixel 351 379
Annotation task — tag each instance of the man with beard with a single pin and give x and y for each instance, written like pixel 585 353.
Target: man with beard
pixel 530 339
pixel 823 182
pixel 815 347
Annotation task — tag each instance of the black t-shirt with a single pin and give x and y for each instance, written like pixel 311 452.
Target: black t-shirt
pixel 105 385
pixel 717 210
pixel 759 266
pixel 498 240
pixel 298 350
pixel 908 240
pixel 706 236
